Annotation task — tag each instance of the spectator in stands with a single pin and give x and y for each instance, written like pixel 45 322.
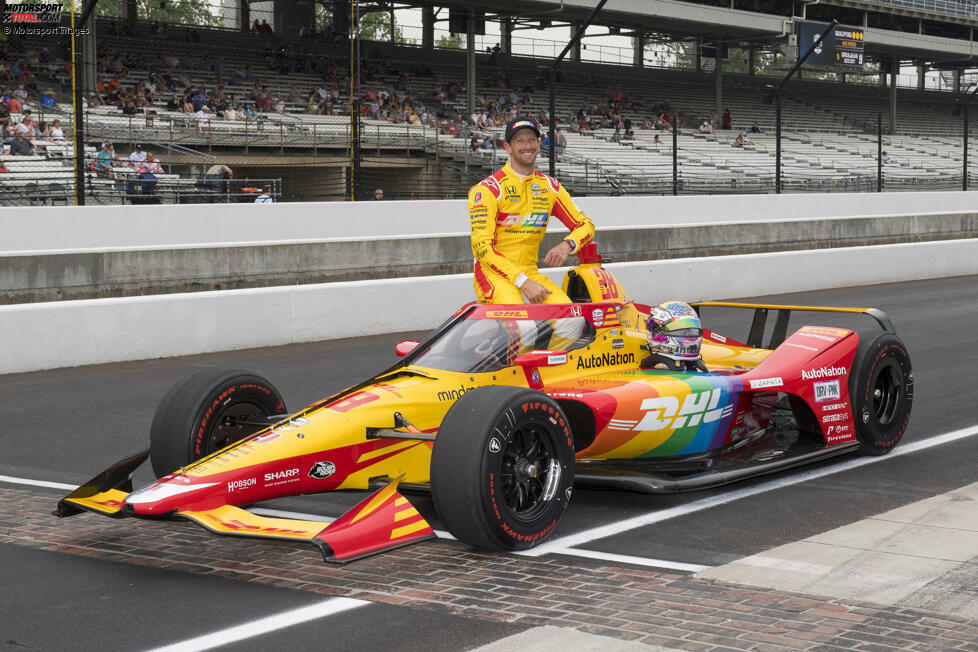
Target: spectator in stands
pixel 216 178
pixel 256 27
pixel 264 197
pixel 128 106
pixel 755 129
pixel 57 133
pixel 706 127
pixel 251 113
pixel 13 104
pixel 4 114
pixel 628 136
pixel 103 162
pixel 379 194
pixel 3 166
pixel 137 156
pixel 885 158
pixel 279 104
pixel 21 94
pixel 265 28
pixel 656 142
pixel 20 146
pixel 726 121
pixel 743 140
pixel 152 165
pixel 48 101
pixel 202 119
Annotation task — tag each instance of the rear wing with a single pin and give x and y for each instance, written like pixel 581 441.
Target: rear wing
pixel 780 332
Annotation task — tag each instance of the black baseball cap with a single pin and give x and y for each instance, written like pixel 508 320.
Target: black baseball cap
pixel 521 122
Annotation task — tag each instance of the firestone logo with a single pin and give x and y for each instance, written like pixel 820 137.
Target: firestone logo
pixel 823 372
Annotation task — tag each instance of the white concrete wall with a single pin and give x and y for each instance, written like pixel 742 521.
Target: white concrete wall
pixel 107 227
pixel 69 333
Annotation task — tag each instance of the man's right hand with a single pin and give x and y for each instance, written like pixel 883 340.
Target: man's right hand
pixel 534 292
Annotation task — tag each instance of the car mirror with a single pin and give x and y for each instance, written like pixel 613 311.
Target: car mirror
pixel 404 347
pixel 541 359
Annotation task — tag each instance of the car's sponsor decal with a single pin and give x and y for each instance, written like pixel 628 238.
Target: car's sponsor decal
pixel 281 477
pixel 827 391
pixel 507 314
pixel 245 483
pixel 618 343
pixel 832 407
pixel 834 416
pixel 322 470
pixel 453 394
pixel 597 317
pixel 664 411
pixel 494 445
pixel 800 346
pixel 766 382
pixel 605 360
pixel 822 372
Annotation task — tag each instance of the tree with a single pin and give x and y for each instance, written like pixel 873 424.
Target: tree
pixel 185 12
pixel 452 41
pixel 376 26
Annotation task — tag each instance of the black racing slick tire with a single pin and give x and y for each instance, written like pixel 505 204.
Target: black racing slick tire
pixel 200 414
pixel 881 391
pixel 502 468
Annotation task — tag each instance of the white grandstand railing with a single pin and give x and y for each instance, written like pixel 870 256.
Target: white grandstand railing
pixel 950 7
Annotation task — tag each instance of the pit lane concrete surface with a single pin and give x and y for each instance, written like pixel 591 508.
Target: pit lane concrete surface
pixel 72 592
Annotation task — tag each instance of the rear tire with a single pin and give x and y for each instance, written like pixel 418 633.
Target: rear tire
pixel 190 420
pixel 502 468
pixel 881 392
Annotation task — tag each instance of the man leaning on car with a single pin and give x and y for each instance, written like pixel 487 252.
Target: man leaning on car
pixel 508 214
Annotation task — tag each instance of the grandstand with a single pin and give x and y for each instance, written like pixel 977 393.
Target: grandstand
pixel 426 144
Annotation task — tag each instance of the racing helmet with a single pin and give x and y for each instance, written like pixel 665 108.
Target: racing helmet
pixel 675 331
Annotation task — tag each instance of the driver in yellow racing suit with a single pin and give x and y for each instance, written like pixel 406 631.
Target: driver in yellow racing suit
pixel 508 214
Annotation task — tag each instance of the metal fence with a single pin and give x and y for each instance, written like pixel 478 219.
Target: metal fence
pixel 406 129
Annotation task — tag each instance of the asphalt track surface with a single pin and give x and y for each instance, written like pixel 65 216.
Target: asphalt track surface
pixel 64 425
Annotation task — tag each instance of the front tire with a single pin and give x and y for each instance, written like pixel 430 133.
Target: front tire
pixel 198 415
pixel 502 468
pixel 881 391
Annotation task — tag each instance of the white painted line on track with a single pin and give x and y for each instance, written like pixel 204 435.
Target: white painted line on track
pixel 264 625
pixel 580 538
pixel 630 559
pixel 567 545
pixel 38 483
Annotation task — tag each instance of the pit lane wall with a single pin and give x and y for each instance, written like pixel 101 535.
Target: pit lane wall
pixel 69 333
pixel 50 254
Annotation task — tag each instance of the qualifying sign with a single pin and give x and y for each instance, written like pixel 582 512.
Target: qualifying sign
pixel 842 47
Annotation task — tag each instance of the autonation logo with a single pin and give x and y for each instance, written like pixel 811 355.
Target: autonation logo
pixel 822 372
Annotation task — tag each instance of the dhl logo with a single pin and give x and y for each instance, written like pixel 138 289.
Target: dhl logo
pixel 665 412
pixel 235 524
pixel 507 314
pixel 530 219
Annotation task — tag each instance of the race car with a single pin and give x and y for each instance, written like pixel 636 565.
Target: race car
pixel 503 411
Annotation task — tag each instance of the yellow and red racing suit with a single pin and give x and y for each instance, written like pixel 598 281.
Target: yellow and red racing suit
pixel 508 215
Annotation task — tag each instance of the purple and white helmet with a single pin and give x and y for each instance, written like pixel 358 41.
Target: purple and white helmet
pixel 675 331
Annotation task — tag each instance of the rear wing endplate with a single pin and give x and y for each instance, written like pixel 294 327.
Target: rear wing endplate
pixel 780 332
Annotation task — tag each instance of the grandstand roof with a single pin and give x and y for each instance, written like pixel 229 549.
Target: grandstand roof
pixel 701 19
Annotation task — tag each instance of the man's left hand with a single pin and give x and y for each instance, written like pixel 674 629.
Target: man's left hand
pixel 556 256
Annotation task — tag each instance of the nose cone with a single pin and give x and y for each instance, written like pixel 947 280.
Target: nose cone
pixel 165 497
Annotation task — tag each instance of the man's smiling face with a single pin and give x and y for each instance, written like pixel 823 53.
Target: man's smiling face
pixel 523 148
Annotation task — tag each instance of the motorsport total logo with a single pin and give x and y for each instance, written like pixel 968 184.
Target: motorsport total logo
pixel 30 13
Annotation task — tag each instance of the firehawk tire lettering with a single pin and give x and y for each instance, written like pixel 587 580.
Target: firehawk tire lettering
pixel 188 421
pixel 881 391
pixel 503 500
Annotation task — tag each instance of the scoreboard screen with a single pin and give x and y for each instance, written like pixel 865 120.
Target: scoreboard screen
pixel 842 47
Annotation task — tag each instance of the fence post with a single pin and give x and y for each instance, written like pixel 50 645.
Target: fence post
pixel 879 152
pixel 281 138
pixel 964 177
pixel 675 156
pixel 777 145
pixel 246 135
pixel 315 139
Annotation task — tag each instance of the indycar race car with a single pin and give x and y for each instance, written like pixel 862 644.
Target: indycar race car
pixel 502 411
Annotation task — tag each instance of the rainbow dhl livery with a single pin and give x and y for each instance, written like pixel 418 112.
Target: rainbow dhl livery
pixel 503 411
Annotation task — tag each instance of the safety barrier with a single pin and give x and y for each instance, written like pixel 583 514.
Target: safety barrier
pixel 69 333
